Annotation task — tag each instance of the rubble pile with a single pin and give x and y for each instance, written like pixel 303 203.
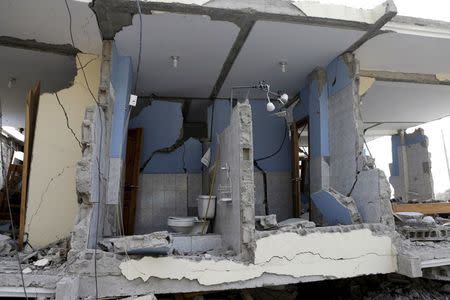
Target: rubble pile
pixel 269 222
pixel 417 227
pixel 52 256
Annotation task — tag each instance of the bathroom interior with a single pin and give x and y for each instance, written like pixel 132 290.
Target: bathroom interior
pixel 177 189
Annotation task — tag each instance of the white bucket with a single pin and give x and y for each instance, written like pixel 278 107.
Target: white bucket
pixel 202 205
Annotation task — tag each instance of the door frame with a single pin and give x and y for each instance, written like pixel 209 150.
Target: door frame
pixel 298 182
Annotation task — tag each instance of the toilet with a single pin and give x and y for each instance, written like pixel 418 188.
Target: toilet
pixel 195 225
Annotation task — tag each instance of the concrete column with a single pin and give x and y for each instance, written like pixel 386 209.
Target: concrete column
pixel 404 170
pixel 318 131
pixel 235 219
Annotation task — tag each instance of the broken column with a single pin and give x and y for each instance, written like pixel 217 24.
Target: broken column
pixel 235 219
pixel 332 104
pixel 411 167
pixel 94 216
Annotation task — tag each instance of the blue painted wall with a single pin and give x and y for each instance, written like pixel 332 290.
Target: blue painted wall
pixel 221 120
pixel 314 104
pixel 121 78
pixel 268 133
pixel 338 75
pixel 162 122
pixel 410 139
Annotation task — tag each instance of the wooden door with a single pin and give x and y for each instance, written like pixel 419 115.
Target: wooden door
pixel 31 109
pixel 133 159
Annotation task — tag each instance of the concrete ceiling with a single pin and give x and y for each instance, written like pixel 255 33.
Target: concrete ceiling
pixel 304 47
pixel 27 67
pixel 202 46
pixel 403 105
pixel 47 21
pixel 409 53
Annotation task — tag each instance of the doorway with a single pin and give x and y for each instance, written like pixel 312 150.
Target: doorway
pixel 300 168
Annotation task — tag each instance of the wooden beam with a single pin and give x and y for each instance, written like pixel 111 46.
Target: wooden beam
pixel 425 208
pixel 403 77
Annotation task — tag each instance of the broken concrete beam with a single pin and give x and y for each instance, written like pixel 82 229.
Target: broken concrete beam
pixel 159 242
pixel 349 203
pixel 266 222
pixel 335 208
pixel 297 223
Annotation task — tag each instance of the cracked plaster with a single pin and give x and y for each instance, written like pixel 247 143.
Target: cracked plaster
pixel 52 199
pixel 329 254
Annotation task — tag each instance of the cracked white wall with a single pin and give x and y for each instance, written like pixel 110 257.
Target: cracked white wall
pixel 331 254
pixel 52 200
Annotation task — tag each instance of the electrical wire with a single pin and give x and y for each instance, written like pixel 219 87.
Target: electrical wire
pixel 279 148
pixel 5 182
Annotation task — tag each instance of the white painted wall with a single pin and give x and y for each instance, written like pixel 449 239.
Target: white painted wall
pixel 52 200
pixel 336 254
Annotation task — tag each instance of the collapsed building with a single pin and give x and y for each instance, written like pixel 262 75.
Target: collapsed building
pixel 142 175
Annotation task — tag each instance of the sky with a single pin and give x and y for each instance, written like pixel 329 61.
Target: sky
pixel 426 9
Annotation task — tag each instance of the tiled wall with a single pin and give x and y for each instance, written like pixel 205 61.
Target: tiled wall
pixel 279 194
pixel 164 195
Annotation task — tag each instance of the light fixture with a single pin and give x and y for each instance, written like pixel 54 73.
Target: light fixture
pixel 283 65
pixel 11 82
pixel 270 106
pixel 283 98
pixel 175 60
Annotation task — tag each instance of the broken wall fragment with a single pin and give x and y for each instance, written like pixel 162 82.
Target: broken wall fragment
pixel 55 155
pixel 411 167
pixel 331 102
pixel 235 220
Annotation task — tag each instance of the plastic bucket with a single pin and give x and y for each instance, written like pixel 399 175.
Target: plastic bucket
pixel 205 212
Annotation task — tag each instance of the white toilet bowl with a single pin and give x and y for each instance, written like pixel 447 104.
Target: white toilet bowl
pixel 181 224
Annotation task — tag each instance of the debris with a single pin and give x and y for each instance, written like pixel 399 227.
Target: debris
pixel 266 222
pixel 159 242
pixel 335 208
pixel 28 256
pixel 297 222
pixel 27 270
pixel 42 262
pixel 5 245
pixel 146 297
pixel 429 220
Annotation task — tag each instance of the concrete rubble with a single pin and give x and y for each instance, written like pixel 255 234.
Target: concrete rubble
pixel 416 227
pixel 349 203
pixel 156 242
pixel 266 222
pixel 5 245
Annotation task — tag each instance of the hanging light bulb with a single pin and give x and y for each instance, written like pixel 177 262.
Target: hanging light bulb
pixel 283 98
pixel 270 106
pixel 11 82
pixel 175 60
pixel 283 65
